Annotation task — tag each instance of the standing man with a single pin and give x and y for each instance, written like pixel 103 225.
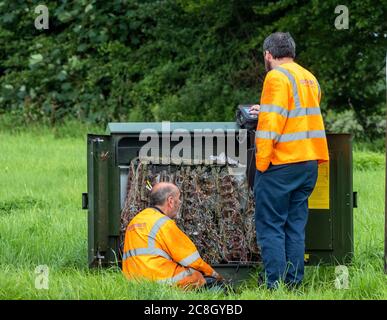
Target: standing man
pixel 290 142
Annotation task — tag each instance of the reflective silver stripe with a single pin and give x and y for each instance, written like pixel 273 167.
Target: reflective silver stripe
pixel 267 135
pixel 311 111
pixel 177 277
pixel 294 85
pixel 291 113
pixel 146 252
pixel 301 135
pixel 156 227
pixel 286 137
pixel 273 108
pixel 190 259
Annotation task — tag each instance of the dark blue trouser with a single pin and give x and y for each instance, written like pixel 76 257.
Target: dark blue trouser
pixel 281 213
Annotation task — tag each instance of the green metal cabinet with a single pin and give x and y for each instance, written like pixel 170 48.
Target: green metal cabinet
pixel 329 233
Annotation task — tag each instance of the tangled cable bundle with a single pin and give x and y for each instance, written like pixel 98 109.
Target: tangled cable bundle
pixel 198 216
pixel 217 211
pixel 231 228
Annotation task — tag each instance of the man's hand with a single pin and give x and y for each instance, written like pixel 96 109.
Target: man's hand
pixel 254 109
pixel 217 276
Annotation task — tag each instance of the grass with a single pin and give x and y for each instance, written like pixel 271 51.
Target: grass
pixel 42 176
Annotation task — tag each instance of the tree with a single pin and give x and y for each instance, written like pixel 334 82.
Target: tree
pixel 181 59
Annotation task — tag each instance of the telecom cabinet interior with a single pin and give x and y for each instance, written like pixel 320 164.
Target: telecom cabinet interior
pixel 210 162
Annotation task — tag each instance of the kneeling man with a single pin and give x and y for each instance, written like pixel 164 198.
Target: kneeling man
pixel 156 249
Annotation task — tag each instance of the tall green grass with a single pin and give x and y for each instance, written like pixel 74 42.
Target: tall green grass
pixel 42 176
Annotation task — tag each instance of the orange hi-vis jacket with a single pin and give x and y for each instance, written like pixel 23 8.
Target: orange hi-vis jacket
pixel 290 126
pixel 156 249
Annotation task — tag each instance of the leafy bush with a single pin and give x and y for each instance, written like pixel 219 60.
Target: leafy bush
pixel 377 145
pixel 363 160
pixel 343 122
pixel 181 59
pixel 373 127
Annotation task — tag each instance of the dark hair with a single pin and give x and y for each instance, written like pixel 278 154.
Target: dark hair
pixel 280 45
pixel 158 197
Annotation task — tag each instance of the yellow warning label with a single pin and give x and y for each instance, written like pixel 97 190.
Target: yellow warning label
pixel 319 198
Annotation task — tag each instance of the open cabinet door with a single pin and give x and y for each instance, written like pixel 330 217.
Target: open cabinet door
pixel 98 158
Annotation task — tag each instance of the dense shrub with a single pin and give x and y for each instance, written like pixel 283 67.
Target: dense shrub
pixel 366 160
pixel 182 59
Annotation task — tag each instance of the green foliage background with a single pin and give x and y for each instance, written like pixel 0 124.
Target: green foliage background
pixel 128 60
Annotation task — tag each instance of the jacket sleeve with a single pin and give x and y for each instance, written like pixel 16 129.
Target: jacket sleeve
pixel 319 92
pixel 272 117
pixel 182 250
